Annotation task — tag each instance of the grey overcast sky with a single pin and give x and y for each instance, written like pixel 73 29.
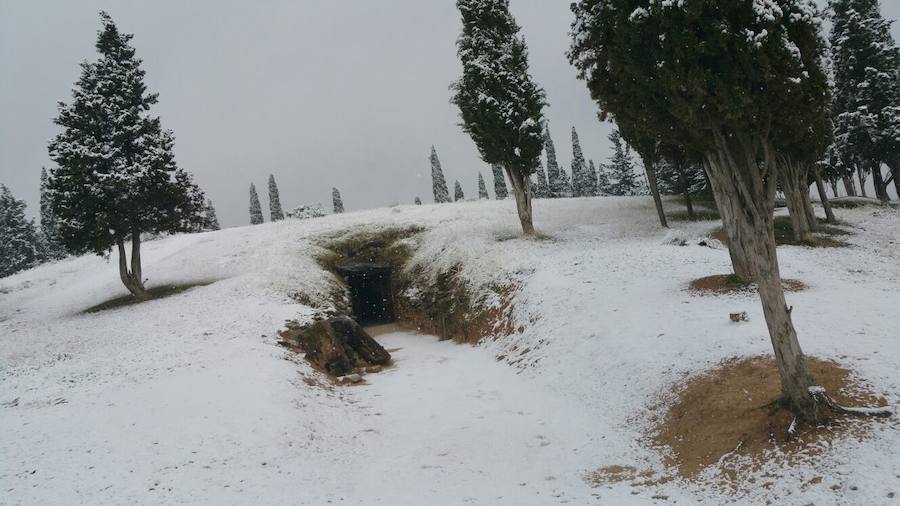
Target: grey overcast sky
pixel 319 93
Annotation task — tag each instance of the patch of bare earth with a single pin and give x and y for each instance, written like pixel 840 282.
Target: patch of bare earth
pixel 729 283
pixel 731 417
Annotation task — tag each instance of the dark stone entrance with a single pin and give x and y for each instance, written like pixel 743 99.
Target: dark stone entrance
pixel 370 291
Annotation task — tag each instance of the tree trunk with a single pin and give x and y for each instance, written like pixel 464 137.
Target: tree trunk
pixel 650 168
pixel 820 187
pixel 861 174
pixel 740 264
pixel 132 278
pixel 895 175
pixel 686 190
pixel 849 185
pixel 810 210
pixel 880 185
pixel 793 180
pixel 522 189
pixel 834 187
pixel 748 191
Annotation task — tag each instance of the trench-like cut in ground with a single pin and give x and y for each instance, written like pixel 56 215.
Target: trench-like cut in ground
pixel 371 293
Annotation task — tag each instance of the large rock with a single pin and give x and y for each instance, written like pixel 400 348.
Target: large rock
pixel 338 345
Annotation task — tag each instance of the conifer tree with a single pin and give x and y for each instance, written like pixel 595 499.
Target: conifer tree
pixel 417 201
pixel 554 178
pixel 604 187
pixel 540 185
pixel 593 175
pixel 482 188
pixel 500 190
pixel 500 105
pixel 866 103
pixel 620 169
pixel 275 211
pixel 336 201
pixel 583 184
pixel 19 242
pixel 438 183
pixel 53 246
pixel 256 215
pixel 116 175
pixel 211 220
pixel 703 96
pixel 458 192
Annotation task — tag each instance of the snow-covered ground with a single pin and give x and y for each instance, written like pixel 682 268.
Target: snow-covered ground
pixel 188 399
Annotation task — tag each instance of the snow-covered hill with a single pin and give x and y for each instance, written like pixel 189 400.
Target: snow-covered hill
pixel 188 399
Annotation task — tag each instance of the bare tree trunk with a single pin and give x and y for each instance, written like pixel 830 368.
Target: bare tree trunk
pixel 810 210
pixel 849 185
pixel 793 180
pixel 895 175
pixel 131 278
pixel 727 206
pixel 749 192
pixel 522 191
pixel 650 168
pixel 686 190
pixel 880 186
pixel 820 187
pixel 861 174
pixel 834 187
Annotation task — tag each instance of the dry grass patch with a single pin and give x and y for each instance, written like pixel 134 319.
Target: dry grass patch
pixel 729 283
pixel 732 417
pixel 157 292
pixel 823 235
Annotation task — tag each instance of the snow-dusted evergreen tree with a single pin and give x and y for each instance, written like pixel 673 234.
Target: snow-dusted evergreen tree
pixel 256 215
pixel 557 185
pixel 458 192
pixel 336 201
pixel 620 169
pixel 482 188
pixel 604 187
pixel 583 183
pixel 500 190
pixel 500 105
pixel 866 102
pixel 53 247
pixel 417 201
pixel 19 242
pixel 275 211
pixel 116 176
pixel 438 183
pixel 540 187
pixel 212 221
pixel 593 175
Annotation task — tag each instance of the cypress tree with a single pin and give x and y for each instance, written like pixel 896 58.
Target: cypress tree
pixel 256 215
pixel 540 185
pixel 583 183
pixel 53 245
pixel 556 184
pixel 482 189
pixel 116 175
pixel 275 211
pixel 621 168
pixel 500 191
pixel 500 105
pixel 438 183
pixel 19 242
pixel 212 221
pixel 593 175
pixel 703 96
pixel 336 201
pixel 458 192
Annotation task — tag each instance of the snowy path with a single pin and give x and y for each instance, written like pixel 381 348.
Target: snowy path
pixel 450 421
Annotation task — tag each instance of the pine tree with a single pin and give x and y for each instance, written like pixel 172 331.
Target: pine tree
pixel 583 183
pixel 736 120
pixel 19 242
pixel 458 192
pixel 500 105
pixel 210 219
pixel 482 188
pixel 256 215
pixel 417 201
pixel 116 176
pixel 621 168
pixel 500 191
pixel 866 104
pixel 275 211
pixel 604 187
pixel 438 183
pixel 336 201
pixel 555 176
pixel 53 246
pixel 592 174
pixel 540 185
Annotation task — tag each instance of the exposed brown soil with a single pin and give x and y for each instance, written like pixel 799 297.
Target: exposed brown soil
pixel 732 416
pixel 822 237
pixel 157 292
pixel 729 283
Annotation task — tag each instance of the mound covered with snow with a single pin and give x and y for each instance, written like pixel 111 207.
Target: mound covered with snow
pixel 188 399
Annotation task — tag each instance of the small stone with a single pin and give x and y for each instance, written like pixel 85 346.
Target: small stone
pixel 373 369
pixel 739 317
pixel 352 378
